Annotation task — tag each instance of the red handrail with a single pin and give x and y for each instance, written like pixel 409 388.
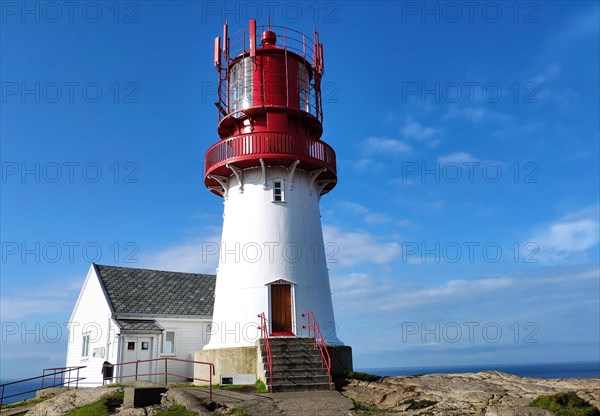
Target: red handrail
pixel 264 330
pixel 319 341
pixel 166 373
pixel 51 372
pixel 274 144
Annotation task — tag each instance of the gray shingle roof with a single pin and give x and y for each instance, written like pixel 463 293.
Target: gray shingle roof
pixel 138 325
pixel 157 292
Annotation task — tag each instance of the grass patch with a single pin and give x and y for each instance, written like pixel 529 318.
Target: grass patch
pixel 26 402
pixel 236 411
pixel 177 410
pixel 102 407
pixel 258 387
pixel 419 404
pixel 356 375
pixel 115 385
pixel 565 404
pixel 363 408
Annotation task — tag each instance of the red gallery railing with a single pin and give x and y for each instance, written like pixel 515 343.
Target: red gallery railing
pixel 264 331
pixel 319 342
pixel 60 376
pixel 166 372
pixel 271 145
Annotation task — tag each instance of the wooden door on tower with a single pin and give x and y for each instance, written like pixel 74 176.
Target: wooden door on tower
pixel 281 309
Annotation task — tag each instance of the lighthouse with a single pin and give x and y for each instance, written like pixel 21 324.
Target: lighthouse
pixel 271 168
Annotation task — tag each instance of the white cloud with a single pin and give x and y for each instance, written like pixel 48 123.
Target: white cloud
pixel 415 130
pixel 572 235
pixel 476 114
pixel 378 145
pixel 457 157
pixel 358 290
pixel 354 247
pixel 548 74
pixel 197 256
pixel 45 301
pixel 369 216
pixel 569 236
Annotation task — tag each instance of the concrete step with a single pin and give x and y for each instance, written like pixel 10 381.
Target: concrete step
pixel 292 347
pixel 298 373
pixel 289 340
pixel 309 379
pixel 280 388
pixel 280 369
pixel 294 358
pixel 316 367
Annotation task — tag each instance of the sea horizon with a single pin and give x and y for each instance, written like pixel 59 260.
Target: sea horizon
pixel 577 369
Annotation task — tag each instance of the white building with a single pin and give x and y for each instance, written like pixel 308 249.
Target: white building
pixel 125 314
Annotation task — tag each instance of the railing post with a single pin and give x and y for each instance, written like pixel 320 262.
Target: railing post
pixel 2 398
pixel 166 375
pixel 136 369
pixel 211 371
pixel 77 381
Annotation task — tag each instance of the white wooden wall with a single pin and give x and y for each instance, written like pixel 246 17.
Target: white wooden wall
pixel 190 335
pixel 91 314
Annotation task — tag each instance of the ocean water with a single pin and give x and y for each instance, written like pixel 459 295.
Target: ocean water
pixel 19 388
pixel 547 370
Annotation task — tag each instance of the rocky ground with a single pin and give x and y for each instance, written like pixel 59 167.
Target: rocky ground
pixel 488 393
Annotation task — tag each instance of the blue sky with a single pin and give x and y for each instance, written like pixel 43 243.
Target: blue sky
pixel 464 227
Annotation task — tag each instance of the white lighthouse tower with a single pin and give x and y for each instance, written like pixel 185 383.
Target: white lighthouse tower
pixel 271 168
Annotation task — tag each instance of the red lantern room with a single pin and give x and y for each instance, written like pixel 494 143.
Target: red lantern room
pixel 269 105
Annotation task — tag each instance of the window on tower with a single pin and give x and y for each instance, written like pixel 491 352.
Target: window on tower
pixel 240 85
pixel 303 88
pixel 278 191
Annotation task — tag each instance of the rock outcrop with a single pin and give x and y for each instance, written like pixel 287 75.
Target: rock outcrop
pixel 489 393
pixel 71 399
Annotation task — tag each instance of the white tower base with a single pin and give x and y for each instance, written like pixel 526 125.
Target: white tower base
pixel 272 258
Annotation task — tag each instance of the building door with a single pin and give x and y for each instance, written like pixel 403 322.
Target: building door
pixel 281 309
pixel 136 349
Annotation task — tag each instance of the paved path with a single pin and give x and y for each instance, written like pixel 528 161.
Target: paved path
pixel 308 403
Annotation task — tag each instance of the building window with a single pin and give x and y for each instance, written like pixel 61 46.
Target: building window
pixel 278 191
pixel 85 348
pixel 168 346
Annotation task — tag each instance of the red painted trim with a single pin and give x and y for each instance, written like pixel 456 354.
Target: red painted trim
pixel 275 148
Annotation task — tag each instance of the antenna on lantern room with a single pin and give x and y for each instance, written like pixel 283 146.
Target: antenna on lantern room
pixel 252 38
